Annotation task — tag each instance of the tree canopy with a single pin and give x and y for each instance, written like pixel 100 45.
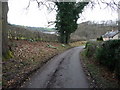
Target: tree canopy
pixel 66 19
pixel 68 14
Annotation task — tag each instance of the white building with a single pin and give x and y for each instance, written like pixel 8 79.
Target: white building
pixel 111 35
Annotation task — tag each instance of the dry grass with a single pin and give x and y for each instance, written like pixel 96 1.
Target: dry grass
pixel 78 43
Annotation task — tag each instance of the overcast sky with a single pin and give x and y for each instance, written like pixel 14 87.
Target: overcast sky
pixel 33 16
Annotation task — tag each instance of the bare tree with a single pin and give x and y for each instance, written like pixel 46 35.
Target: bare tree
pixel 50 5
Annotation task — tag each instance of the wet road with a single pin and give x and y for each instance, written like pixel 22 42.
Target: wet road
pixel 62 71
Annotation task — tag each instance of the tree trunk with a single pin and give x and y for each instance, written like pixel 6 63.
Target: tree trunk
pixel 4 28
pixel 0 31
pixel 62 37
pixel 67 38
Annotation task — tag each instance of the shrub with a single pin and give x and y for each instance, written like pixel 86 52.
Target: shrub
pixel 100 39
pixel 109 55
pixel 91 48
pixel 117 58
pixel 106 53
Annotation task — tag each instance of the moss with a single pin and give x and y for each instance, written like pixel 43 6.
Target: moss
pixel 8 55
pixel 22 38
pixel 62 45
pixel 50 46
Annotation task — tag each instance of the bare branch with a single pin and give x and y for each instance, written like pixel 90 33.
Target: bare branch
pixel 99 4
pixel 28 5
pixel 112 4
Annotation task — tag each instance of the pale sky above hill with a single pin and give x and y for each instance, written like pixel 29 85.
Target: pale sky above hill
pixel 36 17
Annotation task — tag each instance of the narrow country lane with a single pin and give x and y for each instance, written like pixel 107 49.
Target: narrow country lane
pixel 63 71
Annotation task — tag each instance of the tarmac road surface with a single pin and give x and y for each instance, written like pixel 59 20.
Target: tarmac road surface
pixel 62 71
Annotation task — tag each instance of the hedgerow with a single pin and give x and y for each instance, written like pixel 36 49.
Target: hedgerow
pixel 106 53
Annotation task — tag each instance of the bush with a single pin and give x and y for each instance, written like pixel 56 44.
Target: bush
pixel 117 67
pixel 109 55
pixel 100 39
pixel 91 48
pixel 106 53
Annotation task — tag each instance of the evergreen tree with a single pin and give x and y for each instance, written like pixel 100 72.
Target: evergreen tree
pixel 66 19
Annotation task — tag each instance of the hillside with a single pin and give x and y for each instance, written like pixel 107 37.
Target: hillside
pixel 34 33
pixel 85 31
pixel 42 29
pixel 88 31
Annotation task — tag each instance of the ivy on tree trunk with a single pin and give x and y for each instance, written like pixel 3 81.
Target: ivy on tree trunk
pixel 66 19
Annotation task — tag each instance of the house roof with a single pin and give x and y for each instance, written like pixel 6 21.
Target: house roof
pixel 111 34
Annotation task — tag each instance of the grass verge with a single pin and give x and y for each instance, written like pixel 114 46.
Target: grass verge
pixel 98 76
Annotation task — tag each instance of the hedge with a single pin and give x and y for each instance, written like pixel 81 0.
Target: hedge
pixel 106 53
